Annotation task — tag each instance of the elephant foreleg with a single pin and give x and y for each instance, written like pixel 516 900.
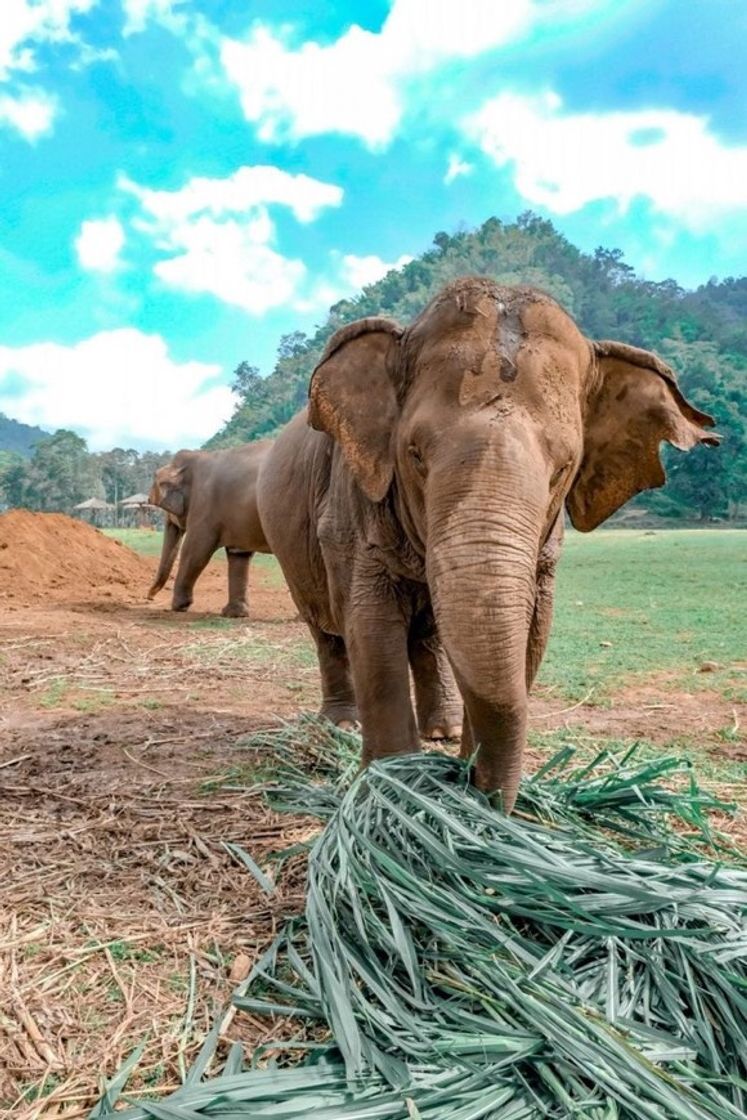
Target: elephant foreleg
pixel 238 580
pixel 438 701
pixel 197 550
pixel 376 640
pixel 338 697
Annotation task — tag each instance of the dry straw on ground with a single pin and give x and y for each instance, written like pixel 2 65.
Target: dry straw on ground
pixel 123 916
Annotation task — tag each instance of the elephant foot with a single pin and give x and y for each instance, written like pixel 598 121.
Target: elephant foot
pixel 350 725
pixel 441 731
pixel 235 610
pixel 342 716
pixel 181 606
pixel 443 725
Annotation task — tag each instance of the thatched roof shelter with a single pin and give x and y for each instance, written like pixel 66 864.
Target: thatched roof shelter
pixel 139 506
pixel 135 500
pixel 93 504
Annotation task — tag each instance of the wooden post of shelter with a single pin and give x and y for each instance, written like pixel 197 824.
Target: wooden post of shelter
pixel 139 505
pixel 95 507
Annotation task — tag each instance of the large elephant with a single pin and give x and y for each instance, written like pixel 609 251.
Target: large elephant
pixel 210 499
pixel 436 461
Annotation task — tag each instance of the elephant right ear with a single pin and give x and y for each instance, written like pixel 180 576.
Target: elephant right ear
pixel 352 397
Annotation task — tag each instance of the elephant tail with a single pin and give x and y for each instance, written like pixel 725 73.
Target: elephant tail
pixel 172 536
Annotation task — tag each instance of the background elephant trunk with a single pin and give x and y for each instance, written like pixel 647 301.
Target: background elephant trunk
pixel 172 535
pixel 482 574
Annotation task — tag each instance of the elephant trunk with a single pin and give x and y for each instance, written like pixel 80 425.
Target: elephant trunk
pixel 172 536
pixel 482 562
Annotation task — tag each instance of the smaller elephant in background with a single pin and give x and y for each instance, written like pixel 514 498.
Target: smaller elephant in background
pixel 209 498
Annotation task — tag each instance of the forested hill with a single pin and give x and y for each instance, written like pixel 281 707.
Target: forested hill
pixel 17 437
pixel 702 334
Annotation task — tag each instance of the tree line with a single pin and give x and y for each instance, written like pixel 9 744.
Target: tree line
pixel 701 333
pixel 61 472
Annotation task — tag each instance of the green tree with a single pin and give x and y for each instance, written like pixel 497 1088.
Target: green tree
pixel 125 471
pixel 246 380
pixel 12 475
pixel 61 473
pixel 118 469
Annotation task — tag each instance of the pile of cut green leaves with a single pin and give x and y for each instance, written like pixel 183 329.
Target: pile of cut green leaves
pixel 582 958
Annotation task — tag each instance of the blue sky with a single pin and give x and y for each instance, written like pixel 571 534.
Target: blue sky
pixel 183 181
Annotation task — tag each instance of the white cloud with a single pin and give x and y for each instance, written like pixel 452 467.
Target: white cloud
pixel 25 23
pixel 565 160
pixel 219 238
pixel 139 13
pixel 322 295
pixel 88 55
pixel 457 167
pixel 353 85
pixel 238 193
pixel 118 387
pixel 232 261
pixel 31 113
pixel 24 26
pixel 358 272
pixel 349 273
pixel 99 244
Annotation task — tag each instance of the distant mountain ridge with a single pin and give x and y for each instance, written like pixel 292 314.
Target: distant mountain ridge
pixel 701 333
pixel 19 438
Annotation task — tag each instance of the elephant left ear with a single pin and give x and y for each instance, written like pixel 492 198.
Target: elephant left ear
pixel 635 405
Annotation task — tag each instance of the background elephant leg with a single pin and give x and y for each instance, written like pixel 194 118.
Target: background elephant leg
pixel 238 579
pixel 196 553
pixel 377 645
pixel 338 697
pixel 438 701
pixel 539 630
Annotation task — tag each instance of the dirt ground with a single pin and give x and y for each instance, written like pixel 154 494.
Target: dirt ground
pixel 123 916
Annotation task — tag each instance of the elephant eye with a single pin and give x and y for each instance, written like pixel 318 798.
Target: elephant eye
pixel 558 475
pixel 416 458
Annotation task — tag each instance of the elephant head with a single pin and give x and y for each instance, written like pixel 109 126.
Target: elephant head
pixel 170 489
pixel 477 423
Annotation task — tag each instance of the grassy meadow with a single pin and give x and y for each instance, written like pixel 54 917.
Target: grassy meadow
pixel 148 543
pixel 145 541
pixel 665 601
pixel 629 605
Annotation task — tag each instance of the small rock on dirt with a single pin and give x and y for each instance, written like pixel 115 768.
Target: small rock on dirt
pixel 708 667
pixel 240 968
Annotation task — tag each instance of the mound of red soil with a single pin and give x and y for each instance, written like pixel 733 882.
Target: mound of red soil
pixel 49 555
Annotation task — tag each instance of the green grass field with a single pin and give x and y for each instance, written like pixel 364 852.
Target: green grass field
pixel 145 541
pixel 148 543
pixel 665 601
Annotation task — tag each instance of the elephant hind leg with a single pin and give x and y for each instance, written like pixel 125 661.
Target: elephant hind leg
pixel 238 580
pixel 338 697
